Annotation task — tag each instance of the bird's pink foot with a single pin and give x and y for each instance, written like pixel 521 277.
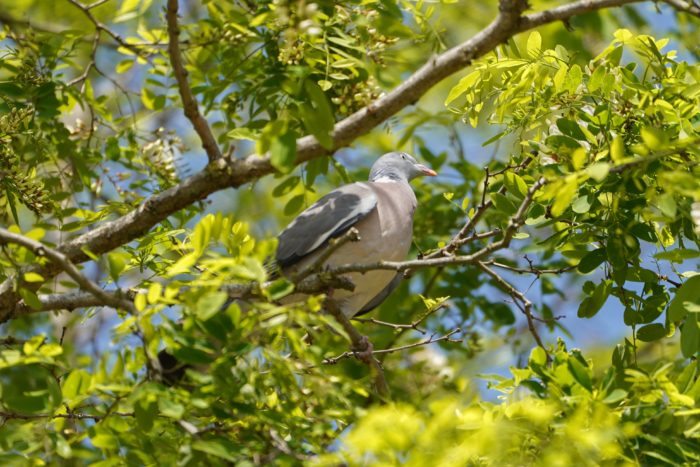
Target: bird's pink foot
pixel 364 350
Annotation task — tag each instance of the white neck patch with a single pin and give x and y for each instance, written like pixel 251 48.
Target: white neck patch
pixel 385 179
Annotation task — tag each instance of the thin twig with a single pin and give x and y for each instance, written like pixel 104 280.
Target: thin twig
pixel 93 59
pixel 430 340
pixel 71 416
pixel 101 27
pixel 529 270
pixel 352 235
pixel 520 300
pixel 361 346
pixel 461 237
pixel 39 249
pixel 189 103
pixel 397 326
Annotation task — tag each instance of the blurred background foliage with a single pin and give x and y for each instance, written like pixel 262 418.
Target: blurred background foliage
pixel 604 107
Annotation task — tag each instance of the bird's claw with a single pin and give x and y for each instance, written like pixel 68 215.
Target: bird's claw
pixel 364 350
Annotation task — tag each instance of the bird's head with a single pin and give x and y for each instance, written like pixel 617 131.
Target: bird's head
pixel 398 166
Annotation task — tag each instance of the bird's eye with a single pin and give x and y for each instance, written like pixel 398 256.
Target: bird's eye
pixel 403 156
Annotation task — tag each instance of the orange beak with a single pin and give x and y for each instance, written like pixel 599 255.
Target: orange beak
pixel 426 170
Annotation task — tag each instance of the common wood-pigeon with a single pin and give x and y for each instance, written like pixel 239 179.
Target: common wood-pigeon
pixel 382 212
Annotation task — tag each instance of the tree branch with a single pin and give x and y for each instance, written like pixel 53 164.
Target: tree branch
pixel 101 27
pixel 461 237
pixel 520 300
pixel 71 416
pixel 189 103
pixel 430 340
pixel 331 277
pixel 395 326
pixel 61 261
pixel 529 270
pixel 361 347
pixel 687 7
pixel 352 235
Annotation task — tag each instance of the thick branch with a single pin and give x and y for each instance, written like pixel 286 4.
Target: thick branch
pixel 189 103
pixel 71 416
pixel 688 7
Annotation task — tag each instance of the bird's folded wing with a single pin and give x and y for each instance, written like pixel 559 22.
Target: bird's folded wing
pixel 329 217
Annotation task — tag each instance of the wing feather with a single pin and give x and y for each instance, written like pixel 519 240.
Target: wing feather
pixel 327 218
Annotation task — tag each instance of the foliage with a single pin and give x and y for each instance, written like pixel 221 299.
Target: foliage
pixel 591 192
pixel 554 414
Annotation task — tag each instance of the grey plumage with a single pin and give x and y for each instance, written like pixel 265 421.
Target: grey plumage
pixel 382 211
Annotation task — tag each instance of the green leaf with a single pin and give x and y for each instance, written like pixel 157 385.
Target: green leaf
pixel 515 185
pixel 615 396
pixel 688 292
pixel 580 372
pixel 651 332
pixel 217 447
pixel 148 98
pixel 140 302
pixel 667 205
pixel 598 171
pixel 76 384
pixel 170 408
pixel 677 255
pixel 124 66
pixel 581 205
pixel 242 133
pixel 538 356
pixel 294 205
pixel 463 85
pixel 597 79
pixel 279 288
pixel 105 441
pixel 578 158
pixel 571 128
pixel 653 137
pixel 617 149
pixel 33 277
pixel 592 260
pixel 145 412
pixel 283 151
pixel 503 204
pixel 565 195
pixel 287 185
pixel 592 304
pixel 30 298
pixel 690 336
pixel 317 115
pixel 210 304
pixel 155 290
pixel 29 389
pixel 573 79
pixel 534 44
pixel 116 262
